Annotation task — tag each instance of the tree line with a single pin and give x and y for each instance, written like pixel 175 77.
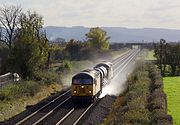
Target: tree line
pixel 168 57
pixel 28 49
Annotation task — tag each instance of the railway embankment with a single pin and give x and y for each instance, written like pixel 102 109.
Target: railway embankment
pixel 15 98
pixel 144 101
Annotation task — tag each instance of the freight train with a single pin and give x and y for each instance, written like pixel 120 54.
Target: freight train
pixel 87 84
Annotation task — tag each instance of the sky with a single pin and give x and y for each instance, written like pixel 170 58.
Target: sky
pixel 106 13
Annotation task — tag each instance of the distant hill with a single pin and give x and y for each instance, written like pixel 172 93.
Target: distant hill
pixel 117 34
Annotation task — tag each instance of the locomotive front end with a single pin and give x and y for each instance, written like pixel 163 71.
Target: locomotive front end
pixel 82 87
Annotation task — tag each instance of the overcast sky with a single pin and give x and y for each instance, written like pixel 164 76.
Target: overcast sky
pixel 120 13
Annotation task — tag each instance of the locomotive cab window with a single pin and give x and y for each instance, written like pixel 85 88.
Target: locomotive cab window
pixel 83 81
pixel 82 78
pixel 87 81
pixel 77 81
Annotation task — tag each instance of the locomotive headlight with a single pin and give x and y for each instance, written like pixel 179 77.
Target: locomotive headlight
pixel 74 91
pixel 89 91
pixel 82 87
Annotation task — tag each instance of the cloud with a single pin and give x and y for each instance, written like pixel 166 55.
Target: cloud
pixel 126 13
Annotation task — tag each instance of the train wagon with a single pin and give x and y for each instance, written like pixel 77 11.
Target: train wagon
pixel 108 66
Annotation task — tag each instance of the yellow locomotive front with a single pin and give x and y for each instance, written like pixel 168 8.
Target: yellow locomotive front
pixel 82 89
pixel 85 86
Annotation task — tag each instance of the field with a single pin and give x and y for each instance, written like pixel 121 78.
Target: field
pixel 172 89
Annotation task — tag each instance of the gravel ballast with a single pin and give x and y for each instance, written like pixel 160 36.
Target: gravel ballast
pixel 100 111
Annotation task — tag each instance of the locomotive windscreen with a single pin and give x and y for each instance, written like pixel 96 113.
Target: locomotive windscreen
pixel 82 81
pixel 82 78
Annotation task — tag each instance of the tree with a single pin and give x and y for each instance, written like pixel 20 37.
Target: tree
pixel 160 54
pixel 98 38
pixel 167 54
pixel 60 41
pixel 73 48
pixel 9 16
pixel 30 49
pixel 173 57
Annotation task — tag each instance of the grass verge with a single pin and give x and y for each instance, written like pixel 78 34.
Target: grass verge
pixel 172 89
pixel 150 55
pixel 12 107
pixel 15 97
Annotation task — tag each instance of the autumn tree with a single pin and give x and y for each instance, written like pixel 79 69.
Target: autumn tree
pixel 9 17
pixel 30 50
pixel 98 38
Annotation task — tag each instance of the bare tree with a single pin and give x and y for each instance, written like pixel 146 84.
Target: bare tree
pixel 9 20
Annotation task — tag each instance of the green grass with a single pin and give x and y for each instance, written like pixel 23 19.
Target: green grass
pixel 172 89
pixel 150 55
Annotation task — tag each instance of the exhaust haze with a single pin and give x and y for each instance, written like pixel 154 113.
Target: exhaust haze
pixel 118 84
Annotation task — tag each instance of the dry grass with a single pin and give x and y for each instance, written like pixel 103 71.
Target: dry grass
pixel 9 109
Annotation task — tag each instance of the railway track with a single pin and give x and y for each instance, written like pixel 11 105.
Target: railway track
pixel 61 110
pixel 75 115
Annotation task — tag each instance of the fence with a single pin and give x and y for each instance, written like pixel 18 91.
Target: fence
pixel 8 78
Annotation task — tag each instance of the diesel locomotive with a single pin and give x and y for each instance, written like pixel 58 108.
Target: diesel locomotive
pixel 87 84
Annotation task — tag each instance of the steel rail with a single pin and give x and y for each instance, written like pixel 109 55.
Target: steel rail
pixel 117 59
pixel 128 61
pixel 51 111
pixel 117 68
pixel 29 116
pixel 124 54
pixel 83 114
pixel 121 58
pixel 68 114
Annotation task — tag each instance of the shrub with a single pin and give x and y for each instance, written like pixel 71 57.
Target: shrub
pixel 160 117
pixel 145 101
pixel 140 116
pixel 157 99
pixel 131 95
pixel 140 88
pixel 65 66
pixel 5 94
pixel 24 88
pixel 137 103
pixel 47 78
pixel 157 103
pixel 157 84
pixel 29 88
pixel 157 93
